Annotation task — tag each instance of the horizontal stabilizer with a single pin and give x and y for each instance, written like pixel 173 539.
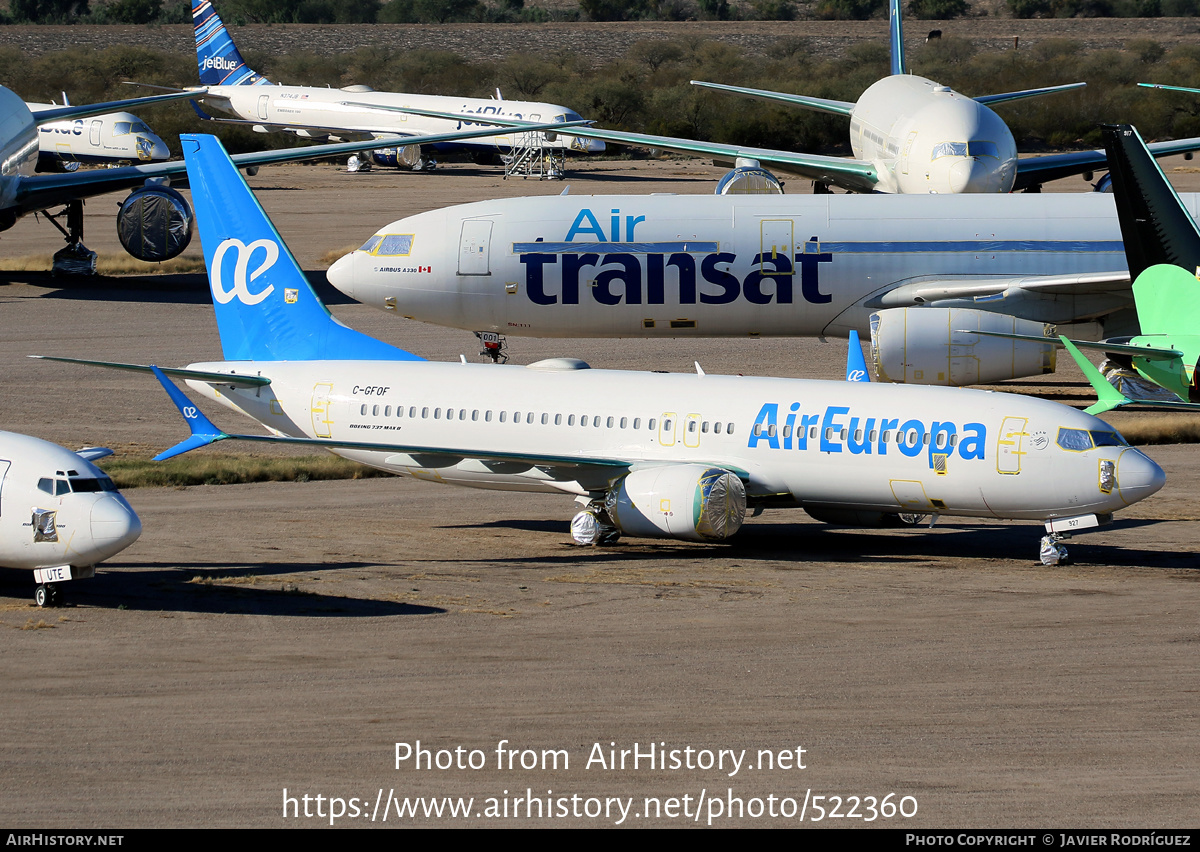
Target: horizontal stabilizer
pixel 236 380
pixel 202 429
pixel 1147 352
pixel 1107 397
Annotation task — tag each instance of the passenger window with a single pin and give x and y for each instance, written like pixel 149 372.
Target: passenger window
pixel 387 411
pixel 425 413
pixel 503 416
pixel 692 426
pixel 717 427
pixel 545 418
pixel 624 422
pixel 475 415
pixel 609 423
pixel 729 430
pixel 375 411
pixel 570 419
pixel 557 419
pixel 650 426
pixel 583 421
pixel 637 423
pixel 363 410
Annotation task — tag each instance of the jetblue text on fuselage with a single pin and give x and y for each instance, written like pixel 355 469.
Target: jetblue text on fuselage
pixel 838 431
pixel 617 268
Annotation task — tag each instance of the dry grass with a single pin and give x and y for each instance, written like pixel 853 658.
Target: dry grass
pixel 333 255
pixel 108 264
pixel 1144 429
pixel 231 470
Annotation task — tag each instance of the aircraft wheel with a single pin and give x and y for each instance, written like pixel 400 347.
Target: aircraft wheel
pixel 41 596
pixel 55 594
pixel 910 519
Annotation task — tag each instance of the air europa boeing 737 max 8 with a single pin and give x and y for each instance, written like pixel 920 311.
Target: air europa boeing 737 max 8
pixel 678 456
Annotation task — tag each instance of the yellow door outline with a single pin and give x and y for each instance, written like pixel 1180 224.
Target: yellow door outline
pixel 691 431
pixel 1009 445
pixel 666 429
pixel 321 409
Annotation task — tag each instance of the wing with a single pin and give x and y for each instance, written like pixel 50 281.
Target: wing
pixel 1035 170
pixel 936 289
pixel 853 175
pixel 38 192
pixel 45 116
pixel 1150 353
pixel 818 104
pixel 988 100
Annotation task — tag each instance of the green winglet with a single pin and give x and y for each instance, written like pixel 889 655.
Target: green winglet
pixel 1107 397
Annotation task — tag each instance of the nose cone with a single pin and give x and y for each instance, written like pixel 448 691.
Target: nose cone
pixel 341 274
pixel 159 150
pixel 976 174
pixel 1138 476
pixel 114 526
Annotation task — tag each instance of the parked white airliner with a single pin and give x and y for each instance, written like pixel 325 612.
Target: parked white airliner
pixel 60 515
pixel 116 137
pixel 679 456
pixel 914 271
pixel 908 135
pixel 233 88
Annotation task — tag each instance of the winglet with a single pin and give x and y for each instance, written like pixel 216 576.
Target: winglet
pixel 203 430
pixel 896 26
pixel 856 364
pixel 1107 397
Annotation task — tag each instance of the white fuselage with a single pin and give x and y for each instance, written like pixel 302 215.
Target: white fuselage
pixel 707 266
pixel 320 113
pixel 111 138
pixel 926 138
pixel 795 442
pixel 57 510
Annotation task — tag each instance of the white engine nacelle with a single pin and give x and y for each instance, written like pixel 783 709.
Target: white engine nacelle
pixel 936 346
pixel 689 501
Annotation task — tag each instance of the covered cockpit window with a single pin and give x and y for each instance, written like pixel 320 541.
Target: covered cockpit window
pixel 1076 440
pixel 369 245
pixel 949 149
pixel 395 245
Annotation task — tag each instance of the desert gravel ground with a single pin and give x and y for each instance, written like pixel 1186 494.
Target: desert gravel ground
pixel 265 637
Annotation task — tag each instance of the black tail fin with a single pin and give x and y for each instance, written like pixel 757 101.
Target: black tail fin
pixel 1155 225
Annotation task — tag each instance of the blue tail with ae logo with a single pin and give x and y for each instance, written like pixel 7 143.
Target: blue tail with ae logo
pixel 266 310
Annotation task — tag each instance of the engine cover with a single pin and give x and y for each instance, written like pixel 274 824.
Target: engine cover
pixel 937 346
pixel 155 223
pixel 688 501
pixel 749 180
pixel 405 157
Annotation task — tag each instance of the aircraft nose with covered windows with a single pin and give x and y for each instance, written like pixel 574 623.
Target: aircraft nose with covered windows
pixel 60 514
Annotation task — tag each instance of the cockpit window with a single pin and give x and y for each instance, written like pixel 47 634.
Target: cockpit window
pixel 369 245
pixel 980 148
pixel 974 148
pixel 139 127
pixel 120 128
pixel 88 485
pixel 1079 440
pixel 395 245
pixel 1108 439
pixel 949 149
pixel 1076 440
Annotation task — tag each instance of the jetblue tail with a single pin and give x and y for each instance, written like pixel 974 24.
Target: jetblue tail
pixel 896 32
pixel 216 54
pixel 266 310
pixel 1155 225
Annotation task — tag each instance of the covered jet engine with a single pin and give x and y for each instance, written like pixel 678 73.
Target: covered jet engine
pixel 691 501
pixel 155 223
pixel 748 178
pixel 937 346
pixel 405 157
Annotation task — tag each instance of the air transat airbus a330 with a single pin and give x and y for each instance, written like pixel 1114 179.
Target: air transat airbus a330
pixel 647 454
pixel 232 87
pixel 914 271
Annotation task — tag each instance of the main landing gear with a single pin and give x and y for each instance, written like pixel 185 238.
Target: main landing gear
pixel 592 526
pixel 1053 553
pixel 76 258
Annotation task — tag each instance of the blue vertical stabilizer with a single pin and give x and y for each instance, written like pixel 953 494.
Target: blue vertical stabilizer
pixel 216 54
pixel 266 310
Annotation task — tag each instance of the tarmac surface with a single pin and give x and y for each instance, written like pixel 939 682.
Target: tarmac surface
pixel 267 642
